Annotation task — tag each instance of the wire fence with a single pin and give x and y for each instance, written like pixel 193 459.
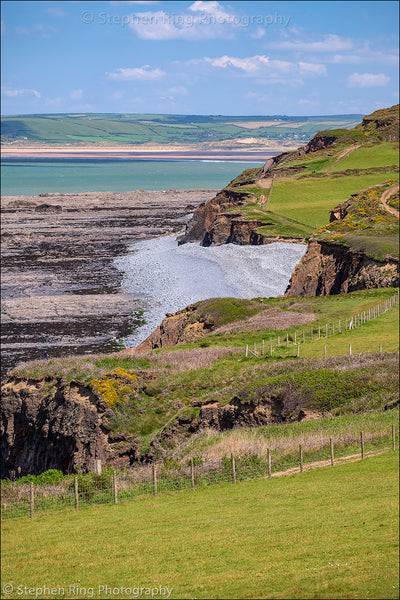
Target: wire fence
pixel 81 491
pixel 321 331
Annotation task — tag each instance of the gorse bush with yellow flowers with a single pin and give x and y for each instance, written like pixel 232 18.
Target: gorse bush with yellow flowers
pixel 116 387
pixel 368 220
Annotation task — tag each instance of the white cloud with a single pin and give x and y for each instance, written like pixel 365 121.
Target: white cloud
pixel 201 21
pixel 329 43
pixel 213 9
pixel 144 73
pixel 263 67
pixel 76 94
pixel 367 80
pixel 21 92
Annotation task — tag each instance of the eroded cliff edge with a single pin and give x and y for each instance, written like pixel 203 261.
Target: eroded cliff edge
pixel 327 267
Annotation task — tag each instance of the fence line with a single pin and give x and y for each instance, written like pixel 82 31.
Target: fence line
pixel 327 330
pixel 28 500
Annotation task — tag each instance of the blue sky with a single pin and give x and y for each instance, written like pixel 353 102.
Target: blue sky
pixel 230 58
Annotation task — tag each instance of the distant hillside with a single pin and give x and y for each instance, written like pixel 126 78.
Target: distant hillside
pixel 150 128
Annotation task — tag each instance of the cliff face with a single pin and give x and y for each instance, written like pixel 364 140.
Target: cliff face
pixel 332 269
pixel 212 225
pixel 176 328
pixel 206 214
pixel 46 424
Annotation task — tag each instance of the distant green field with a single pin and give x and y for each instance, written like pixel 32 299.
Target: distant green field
pixel 142 128
pixel 328 533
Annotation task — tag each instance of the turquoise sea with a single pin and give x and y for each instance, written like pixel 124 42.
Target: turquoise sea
pixel 32 176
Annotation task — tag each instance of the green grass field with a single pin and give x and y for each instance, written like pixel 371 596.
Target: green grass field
pixel 310 200
pixel 378 155
pixel 329 533
pixel 142 128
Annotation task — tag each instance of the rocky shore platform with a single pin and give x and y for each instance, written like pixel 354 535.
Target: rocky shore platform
pixel 61 293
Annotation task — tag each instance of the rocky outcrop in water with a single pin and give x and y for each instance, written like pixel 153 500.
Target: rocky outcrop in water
pixel 328 268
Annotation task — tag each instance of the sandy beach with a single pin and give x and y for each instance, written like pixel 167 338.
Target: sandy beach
pixel 244 150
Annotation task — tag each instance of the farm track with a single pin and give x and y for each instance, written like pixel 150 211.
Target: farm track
pixel 385 197
pixel 326 463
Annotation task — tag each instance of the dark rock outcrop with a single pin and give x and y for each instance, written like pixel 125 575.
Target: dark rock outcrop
pixel 48 424
pixel 206 214
pixel 328 268
pixel 267 408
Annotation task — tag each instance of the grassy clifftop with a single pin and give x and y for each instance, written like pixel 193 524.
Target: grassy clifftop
pixel 294 194
pixel 171 385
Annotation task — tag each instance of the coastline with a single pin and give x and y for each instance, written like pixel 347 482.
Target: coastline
pixel 226 152
pixel 61 291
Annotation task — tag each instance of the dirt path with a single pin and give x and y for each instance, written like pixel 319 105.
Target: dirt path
pixel 326 463
pixel 346 152
pixel 385 197
pixel 264 183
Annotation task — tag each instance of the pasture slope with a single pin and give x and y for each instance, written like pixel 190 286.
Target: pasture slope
pixel 320 364
pixel 328 533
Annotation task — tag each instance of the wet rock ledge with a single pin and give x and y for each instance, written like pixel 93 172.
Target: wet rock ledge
pixel 60 290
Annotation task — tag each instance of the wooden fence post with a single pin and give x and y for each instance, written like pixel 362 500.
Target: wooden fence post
pixel 115 489
pixel 331 448
pixel 270 347
pixel 362 444
pixel 380 347
pixel 301 458
pixel 192 471
pixel 324 350
pixel 154 481
pixel 295 338
pixel 349 349
pixel 298 350
pixel 76 493
pixel 339 327
pixel 31 500
pixel 393 437
pixel 247 351
pixel 269 462
pixel 278 342
pixel 326 330
pixel 233 469
pixel 304 337
pixel 310 333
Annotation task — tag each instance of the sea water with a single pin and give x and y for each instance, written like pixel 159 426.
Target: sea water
pixel 168 277
pixel 32 176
